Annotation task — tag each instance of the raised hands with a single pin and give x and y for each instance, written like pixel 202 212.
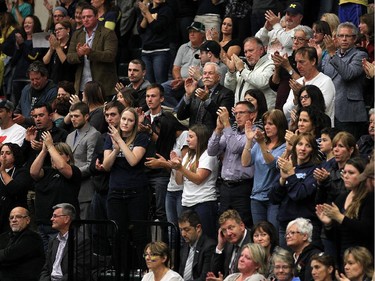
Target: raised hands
pixel 190 86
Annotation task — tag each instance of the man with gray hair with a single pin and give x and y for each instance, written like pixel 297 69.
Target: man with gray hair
pixel 344 65
pixel 40 90
pixel 200 104
pixel 298 237
pixel 56 266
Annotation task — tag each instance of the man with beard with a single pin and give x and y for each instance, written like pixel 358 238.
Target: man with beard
pixel 201 104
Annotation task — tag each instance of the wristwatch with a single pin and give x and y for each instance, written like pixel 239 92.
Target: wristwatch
pixel 291 72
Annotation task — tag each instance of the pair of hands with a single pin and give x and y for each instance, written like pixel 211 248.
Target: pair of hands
pixel 191 86
pixel 234 63
pixel 369 68
pixel 83 49
pixel 45 142
pixel 328 213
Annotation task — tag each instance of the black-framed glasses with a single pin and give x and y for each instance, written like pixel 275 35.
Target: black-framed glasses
pixel 304 97
pixel 299 39
pixel 17 217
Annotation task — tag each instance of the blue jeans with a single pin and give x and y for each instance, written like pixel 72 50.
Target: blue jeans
pixel 157 66
pixel 173 206
pixel 264 211
pixel 207 212
pixel 172 97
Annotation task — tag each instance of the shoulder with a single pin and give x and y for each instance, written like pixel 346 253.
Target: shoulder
pixel 172 276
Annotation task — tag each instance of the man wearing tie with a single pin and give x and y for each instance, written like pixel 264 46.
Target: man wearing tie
pixel 232 236
pixel 196 253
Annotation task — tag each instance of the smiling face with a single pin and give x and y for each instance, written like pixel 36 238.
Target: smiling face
pixel 262 238
pixel 28 25
pixel 210 76
pixel 282 271
pixel 292 20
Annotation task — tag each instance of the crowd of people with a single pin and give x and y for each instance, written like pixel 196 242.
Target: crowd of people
pixel 248 125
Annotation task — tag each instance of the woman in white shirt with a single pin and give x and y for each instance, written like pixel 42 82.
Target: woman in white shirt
pixel 198 172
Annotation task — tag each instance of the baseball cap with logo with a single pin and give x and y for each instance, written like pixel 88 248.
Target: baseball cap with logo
pixel 211 46
pixel 7 105
pixel 196 25
pixel 294 8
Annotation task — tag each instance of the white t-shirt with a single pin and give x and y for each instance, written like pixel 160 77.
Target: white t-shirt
pixel 14 134
pixel 194 194
pixel 178 146
pixel 325 84
pixel 169 276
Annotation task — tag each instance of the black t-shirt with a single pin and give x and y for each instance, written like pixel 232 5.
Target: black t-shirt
pixel 54 189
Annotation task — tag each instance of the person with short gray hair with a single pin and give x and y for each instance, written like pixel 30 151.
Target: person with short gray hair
pixel 344 65
pixel 39 90
pixel 298 237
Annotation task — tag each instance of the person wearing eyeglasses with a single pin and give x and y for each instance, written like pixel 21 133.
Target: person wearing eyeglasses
pixel 344 65
pixel 237 181
pixel 56 265
pixel 298 236
pixel 21 249
pixel 157 257
pixel 282 266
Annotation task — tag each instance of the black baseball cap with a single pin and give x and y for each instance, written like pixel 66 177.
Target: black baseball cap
pixel 7 105
pixel 196 25
pixel 294 8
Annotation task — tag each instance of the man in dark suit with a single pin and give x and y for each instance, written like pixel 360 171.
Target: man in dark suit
pixel 93 48
pixel 232 236
pixel 56 265
pixel 201 104
pixel 21 250
pixel 82 141
pixel 196 253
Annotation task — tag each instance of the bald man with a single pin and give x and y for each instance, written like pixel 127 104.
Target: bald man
pixel 21 250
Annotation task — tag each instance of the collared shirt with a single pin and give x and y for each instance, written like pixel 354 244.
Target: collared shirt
pixel 56 273
pixel 231 143
pixel 86 73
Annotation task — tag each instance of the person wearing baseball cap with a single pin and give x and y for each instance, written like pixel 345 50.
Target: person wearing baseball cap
pixel 278 38
pixel 196 25
pixel 209 52
pixel 9 130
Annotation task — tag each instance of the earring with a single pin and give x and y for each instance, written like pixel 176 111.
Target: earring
pixel 68 34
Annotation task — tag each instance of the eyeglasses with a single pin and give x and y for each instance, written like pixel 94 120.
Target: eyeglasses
pixel 299 39
pixel 57 216
pixel 283 267
pixel 151 255
pixel 17 217
pixel 345 36
pixel 304 97
pixel 291 233
pixel 240 113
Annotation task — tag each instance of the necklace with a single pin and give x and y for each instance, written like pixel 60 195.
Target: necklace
pixel 1 177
